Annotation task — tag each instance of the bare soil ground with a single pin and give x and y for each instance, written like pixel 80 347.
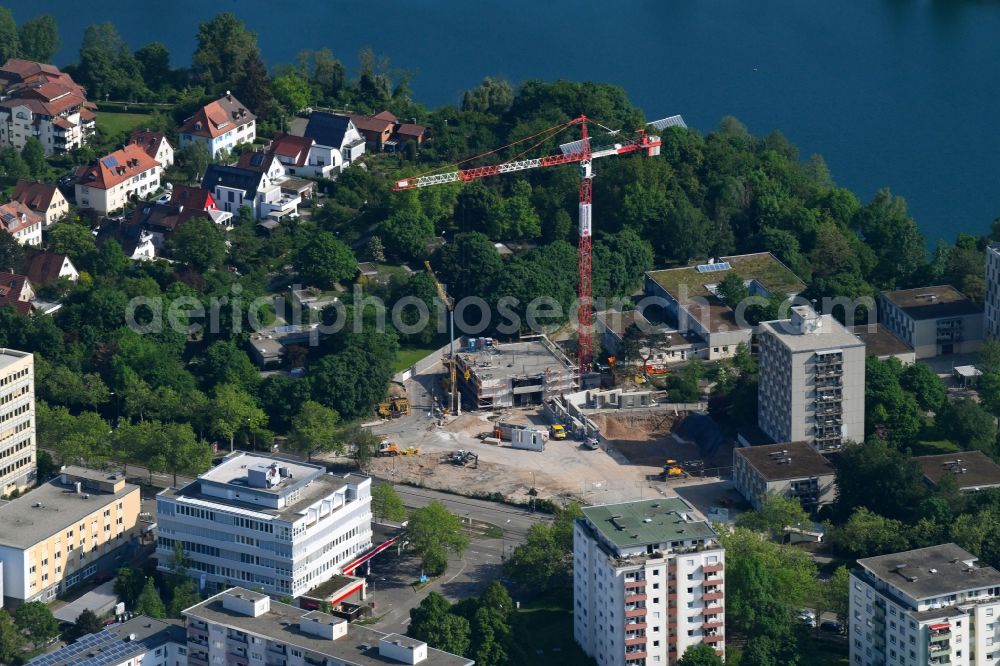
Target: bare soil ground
pixel 647 439
pixel 565 470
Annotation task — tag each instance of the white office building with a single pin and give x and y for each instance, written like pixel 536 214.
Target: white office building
pixel 274 525
pixel 238 627
pixel 647 583
pixel 812 381
pixel 928 606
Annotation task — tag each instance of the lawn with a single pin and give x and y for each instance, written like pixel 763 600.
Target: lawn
pixel 544 628
pixel 406 357
pixel 112 124
pixel 822 652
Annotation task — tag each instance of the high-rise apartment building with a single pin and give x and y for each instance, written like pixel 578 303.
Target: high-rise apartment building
pixel 991 315
pixel 238 627
pixel 275 525
pixel 927 606
pixel 647 583
pixel 17 421
pixel 812 381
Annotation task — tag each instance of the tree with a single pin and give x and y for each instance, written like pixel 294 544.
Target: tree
pixel 34 156
pixel 182 452
pixel 224 44
pixel 386 503
pixel 376 250
pixel 154 62
pixel 129 584
pixel 233 410
pixel 876 477
pixel 899 247
pixel 200 243
pixel 11 252
pixel 433 623
pixel 185 595
pixel 967 424
pixel 925 385
pixel 774 515
pixel 10 43
pixel 149 602
pixel 357 376
pixel 35 619
pixel 87 622
pixel 701 654
pixel 10 639
pixel 74 240
pixel 323 260
pixel 492 96
pixel 533 563
pixel 314 429
pixel 224 362
pixel 282 398
pixel 194 158
pixel 39 38
pixel 406 234
pixel 291 91
pixel 867 534
pixel 433 532
pixel 362 443
pixel 254 87
pixel 837 593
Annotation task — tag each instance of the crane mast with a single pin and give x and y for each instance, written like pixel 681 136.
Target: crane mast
pixel 455 406
pixel 575 152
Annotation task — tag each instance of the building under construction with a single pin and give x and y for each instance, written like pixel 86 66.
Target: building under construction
pixel 516 374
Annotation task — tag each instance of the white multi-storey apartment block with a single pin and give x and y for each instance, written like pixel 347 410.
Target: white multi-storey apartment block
pixel 647 583
pixel 17 421
pixel 927 606
pixel 812 381
pixel 991 316
pixel 275 525
pixel 238 627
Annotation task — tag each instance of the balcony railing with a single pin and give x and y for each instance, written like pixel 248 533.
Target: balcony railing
pixel 712 568
pixel 713 639
pixel 634 598
pixel 712 596
pixel 713 610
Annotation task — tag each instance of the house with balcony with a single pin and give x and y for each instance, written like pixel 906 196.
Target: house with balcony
pixel 40 101
pixel 116 179
pixel 43 198
pixel 933 606
pixel 648 582
pixel 258 186
pixel 302 156
pixel 220 125
pixel 933 321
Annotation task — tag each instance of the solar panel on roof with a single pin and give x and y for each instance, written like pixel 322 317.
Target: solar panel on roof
pixel 713 268
pixel 670 121
pixel 110 161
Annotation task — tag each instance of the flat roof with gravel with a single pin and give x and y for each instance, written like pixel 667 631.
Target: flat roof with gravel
pixel 528 358
pixel 831 335
pixel 879 340
pixel 647 522
pixel 972 469
pixel 932 302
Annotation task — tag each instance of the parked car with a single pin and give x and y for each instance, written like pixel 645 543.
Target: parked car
pixel 163 198
pixel 593 443
pixel 831 627
pixel 807 617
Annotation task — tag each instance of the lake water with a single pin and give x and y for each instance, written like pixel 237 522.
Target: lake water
pixel 898 93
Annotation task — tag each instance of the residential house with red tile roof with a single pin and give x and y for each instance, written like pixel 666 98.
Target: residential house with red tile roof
pixel 383 131
pixel 220 125
pixel 302 156
pixel 16 291
pixel 156 146
pixel 38 100
pixel 43 198
pixel 42 267
pixel 21 222
pixel 195 198
pixel 109 183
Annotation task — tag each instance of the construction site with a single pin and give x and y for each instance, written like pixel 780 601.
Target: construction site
pixel 516 374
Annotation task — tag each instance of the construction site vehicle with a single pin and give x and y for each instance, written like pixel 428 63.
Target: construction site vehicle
pixel 410 451
pixel 675 472
pixel 387 449
pixel 462 457
pixel 558 431
pixel 399 407
pixel 383 410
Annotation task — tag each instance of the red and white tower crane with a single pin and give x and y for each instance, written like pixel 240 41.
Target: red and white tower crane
pixel 575 152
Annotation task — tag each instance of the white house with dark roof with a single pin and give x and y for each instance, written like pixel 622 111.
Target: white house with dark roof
pixel 334 133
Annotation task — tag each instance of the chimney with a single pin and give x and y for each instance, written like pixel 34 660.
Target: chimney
pixel 229 96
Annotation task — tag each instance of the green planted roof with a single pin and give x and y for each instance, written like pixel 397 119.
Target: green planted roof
pixel 645 522
pixel 763 267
